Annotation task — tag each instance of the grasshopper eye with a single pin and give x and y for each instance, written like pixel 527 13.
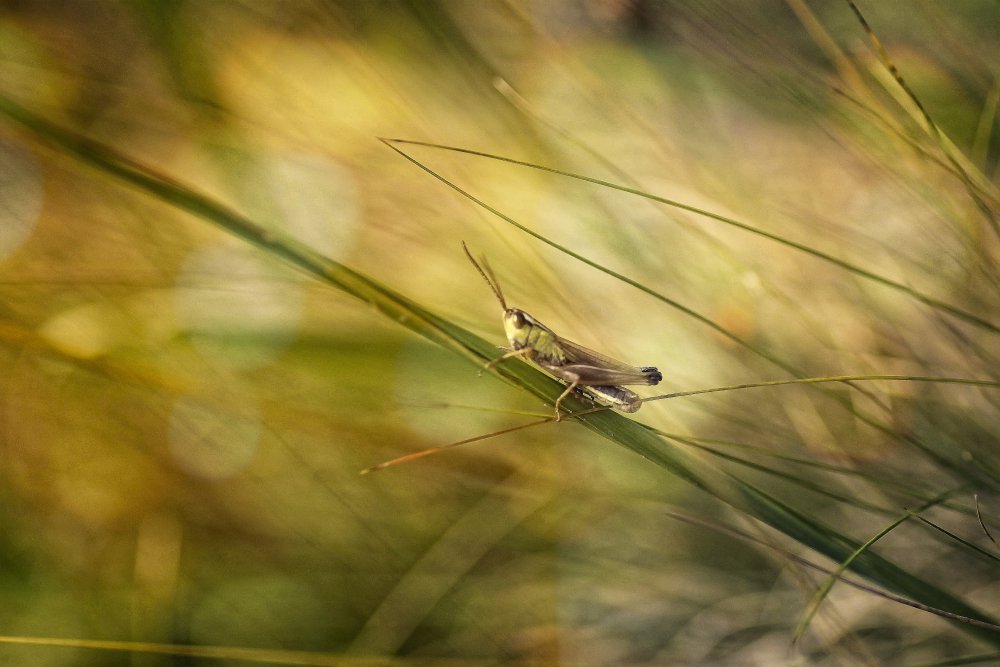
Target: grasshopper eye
pixel 516 318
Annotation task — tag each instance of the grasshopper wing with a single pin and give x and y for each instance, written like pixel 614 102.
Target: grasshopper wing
pixel 594 368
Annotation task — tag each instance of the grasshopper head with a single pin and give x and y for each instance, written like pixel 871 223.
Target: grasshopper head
pixel 522 330
pixel 517 324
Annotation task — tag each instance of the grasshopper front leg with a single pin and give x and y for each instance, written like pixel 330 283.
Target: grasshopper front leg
pixel 572 378
pixel 513 353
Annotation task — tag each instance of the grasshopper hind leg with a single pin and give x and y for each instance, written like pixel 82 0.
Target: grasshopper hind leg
pixel 570 389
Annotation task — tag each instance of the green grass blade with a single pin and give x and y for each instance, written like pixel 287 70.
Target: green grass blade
pixel 824 590
pixel 983 200
pixel 937 304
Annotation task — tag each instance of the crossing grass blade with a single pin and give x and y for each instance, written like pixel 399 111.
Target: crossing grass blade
pixel 937 304
pixel 824 590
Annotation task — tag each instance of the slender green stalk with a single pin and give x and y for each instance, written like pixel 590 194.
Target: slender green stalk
pixel 937 304
pixel 824 590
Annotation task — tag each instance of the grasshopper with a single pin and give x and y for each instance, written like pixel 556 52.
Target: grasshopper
pixel 597 376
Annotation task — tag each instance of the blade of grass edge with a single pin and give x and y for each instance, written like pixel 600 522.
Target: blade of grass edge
pixel 948 148
pixel 794 557
pixel 827 586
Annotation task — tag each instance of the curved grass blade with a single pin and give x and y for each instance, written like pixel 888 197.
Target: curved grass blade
pixel 834 378
pixel 233 653
pixel 824 590
pixel 975 548
pixel 440 448
pixel 982 524
pixel 847 379
pixel 805 562
pixel 947 147
pixel 791 478
pixel 801 247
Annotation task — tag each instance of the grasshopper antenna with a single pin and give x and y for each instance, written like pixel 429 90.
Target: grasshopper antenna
pixel 487 273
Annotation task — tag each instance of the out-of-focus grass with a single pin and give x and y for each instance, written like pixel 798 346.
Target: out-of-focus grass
pixel 185 417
